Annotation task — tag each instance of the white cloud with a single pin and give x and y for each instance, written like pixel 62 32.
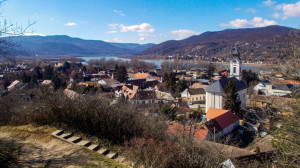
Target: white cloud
pixel 276 15
pixel 142 38
pixel 255 22
pixel 142 28
pixel 119 12
pixel 116 40
pixel 251 10
pixel 289 10
pixel 181 34
pixel 113 25
pixel 269 2
pixel 71 24
pixel 111 32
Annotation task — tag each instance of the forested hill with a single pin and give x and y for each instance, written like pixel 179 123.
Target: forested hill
pixel 254 43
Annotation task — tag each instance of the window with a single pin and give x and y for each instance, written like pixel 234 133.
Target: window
pixel 234 69
pixel 196 98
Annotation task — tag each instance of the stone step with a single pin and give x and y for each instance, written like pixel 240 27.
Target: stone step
pixel 94 147
pixel 66 135
pixel 84 143
pixel 103 151
pixel 120 159
pixel 112 155
pixel 74 139
pixel 58 132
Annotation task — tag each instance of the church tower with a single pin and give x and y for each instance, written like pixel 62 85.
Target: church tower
pixel 236 65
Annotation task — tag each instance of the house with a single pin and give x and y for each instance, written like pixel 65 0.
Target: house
pixel 199 85
pixel 224 72
pixel 219 124
pixel 198 72
pixel 146 76
pixel 144 97
pixel 14 85
pixel 193 95
pixel 128 91
pixel 276 88
pixel 214 93
pixel 109 83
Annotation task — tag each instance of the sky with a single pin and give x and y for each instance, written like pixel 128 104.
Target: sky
pixel 145 21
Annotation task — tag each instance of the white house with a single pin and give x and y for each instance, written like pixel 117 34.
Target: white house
pixel 214 93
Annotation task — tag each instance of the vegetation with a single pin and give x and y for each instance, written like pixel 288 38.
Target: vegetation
pixel 231 101
pixel 249 76
pixel 122 74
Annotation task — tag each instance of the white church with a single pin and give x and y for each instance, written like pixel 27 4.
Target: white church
pixel 214 93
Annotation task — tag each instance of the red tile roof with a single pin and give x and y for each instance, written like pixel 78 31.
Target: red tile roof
pixel 226 119
pixel 141 75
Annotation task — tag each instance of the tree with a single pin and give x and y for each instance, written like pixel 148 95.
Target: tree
pixel 48 73
pixel 84 69
pixel 122 75
pixel 168 112
pixel 36 74
pixel 210 70
pixel 57 82
pixel 231 101
pixel 249 76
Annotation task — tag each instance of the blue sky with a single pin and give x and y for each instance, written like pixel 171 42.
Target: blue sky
pixel 147 21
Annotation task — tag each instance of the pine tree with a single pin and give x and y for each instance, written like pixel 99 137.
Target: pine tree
pixel 48 73
pixel 57 82
pixel 122 74
pixel 231 101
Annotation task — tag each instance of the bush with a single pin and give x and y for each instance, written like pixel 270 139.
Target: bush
pixel 93 116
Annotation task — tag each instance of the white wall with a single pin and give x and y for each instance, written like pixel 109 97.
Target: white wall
pixel 213 100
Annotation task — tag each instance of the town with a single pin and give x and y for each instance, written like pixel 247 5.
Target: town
pixel 232 108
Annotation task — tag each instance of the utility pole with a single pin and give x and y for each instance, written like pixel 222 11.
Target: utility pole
pixel 214 134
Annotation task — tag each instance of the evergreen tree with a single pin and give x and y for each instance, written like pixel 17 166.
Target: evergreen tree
pixel 122 75
pixel 231 101
pixel 57 82
pixel 210 70
pixel 249 76
pixel 36 75
pixel 84 69
pixel 48 73
pixel 116 67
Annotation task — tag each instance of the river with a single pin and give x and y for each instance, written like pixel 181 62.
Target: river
pixel 256 68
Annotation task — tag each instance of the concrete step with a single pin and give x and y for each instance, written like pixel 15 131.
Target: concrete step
pixel 112 155
pixel 66 135
pixel 74 139
pixel 58 132
pixel 84 143
pixel 103 151
pixel 94 147
pixel 120 159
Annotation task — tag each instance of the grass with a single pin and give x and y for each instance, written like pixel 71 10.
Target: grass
pixel 100 160
pixel 25 131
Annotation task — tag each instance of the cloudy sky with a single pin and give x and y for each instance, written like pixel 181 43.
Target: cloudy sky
pixel 146 21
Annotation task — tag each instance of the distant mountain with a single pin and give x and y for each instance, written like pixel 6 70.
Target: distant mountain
pixel 133 46
pixel 254 43
pixel 61 45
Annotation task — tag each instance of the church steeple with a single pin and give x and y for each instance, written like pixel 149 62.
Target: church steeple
pixel 235 64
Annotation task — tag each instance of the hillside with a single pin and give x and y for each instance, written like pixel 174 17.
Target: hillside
pixel 254 43
pixel 61 45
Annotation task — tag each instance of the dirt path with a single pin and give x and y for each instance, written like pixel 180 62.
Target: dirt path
pixel 46 151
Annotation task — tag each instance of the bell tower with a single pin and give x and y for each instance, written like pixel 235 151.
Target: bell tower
pixel 236 64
